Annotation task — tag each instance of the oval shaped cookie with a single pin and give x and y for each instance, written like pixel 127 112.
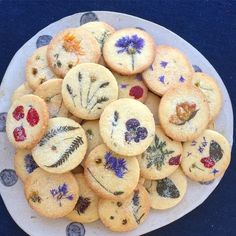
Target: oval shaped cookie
pixel 71 47
pixel 170 68
pixel 184 112
pixel 127 127
pixel 37 68
pixel 129 51
pixel 110 175
pixel 87 89
pixel 63 146
pixel 153 102
pixel 168 192
pixel 27 121
pixel 22 90
pixel 51 195
pixel 211 90
pixel 161 158
pixel 86 208
pixel 50 92
pixel 131 87
pixel 206 157
pixel 24 163
pixel 126 215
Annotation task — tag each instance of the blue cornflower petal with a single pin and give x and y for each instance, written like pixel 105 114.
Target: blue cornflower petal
pixel 162 79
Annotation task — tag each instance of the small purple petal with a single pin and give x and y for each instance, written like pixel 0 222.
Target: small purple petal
pixel 54 192
pixel 181 79
pixel 163 64
pixel 142 132
pixel 215 171
pixel 43 40
pixel 30 164
pixel 139 77
pixel 70 197
pixel 197 68
pixel 132 124
pixel 122 86
pixel 162 79
pixel 151 67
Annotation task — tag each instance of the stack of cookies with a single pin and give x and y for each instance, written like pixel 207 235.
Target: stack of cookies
pixel 108 125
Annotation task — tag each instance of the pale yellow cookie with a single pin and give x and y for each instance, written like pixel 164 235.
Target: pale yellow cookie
pixel 22 90
pixel 87 89
pixel 170 68
pixel 153 102
pixel 211 90
pixel 50 92
pixel 129 51
pixel 161 158
pixel 27 121
pixel 51 195
pixel 184 112
pixel 71 47
pixel 62 148
pixel 131 86
pixel 110 175
pixel 37 69
pixel 126 215
pixel 127 127
pixel 206 157
pixel 86 208
pixel 168 192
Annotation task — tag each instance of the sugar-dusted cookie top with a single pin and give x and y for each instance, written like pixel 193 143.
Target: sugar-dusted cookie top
pixel 206 157
pixel 170 68
pixel 127 127
pixel 129 51
pixel 71 47
pixel 87 89
pixel 184 112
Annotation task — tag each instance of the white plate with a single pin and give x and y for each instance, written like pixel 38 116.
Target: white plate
pixel 13 195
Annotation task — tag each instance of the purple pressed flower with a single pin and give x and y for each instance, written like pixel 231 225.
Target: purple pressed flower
pixel 132 124
pixel 197 68
pixel 123 85
pixel 142 132
pixel 139 77
pixel 193 143
pixel 200 149
pixel 204 143
pixel 181 79
pixel 163 64
pixel 162 79
pixel 215 171
pixel 70 197
pixel 30 164
pixel 63 189
pixel 54 192
pixel 117 165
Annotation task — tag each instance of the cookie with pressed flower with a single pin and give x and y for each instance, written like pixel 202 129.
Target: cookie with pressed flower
pixel 167 192
pixel 22 90
pixel 24 163
pixel 170 68
pixel 50 92
pixel 71 47
pixel 51 195
pixel 129 51
pixel 126 215
pixel 131 86
pixel 206 157
pixel 87 89
pixel 37 68
pixel 161 158
pixel 86 208
pixel 63 146
pixel 211 90
pixel 27 121
pixel 152 102
pixel 127 127
pixel 184 112
pixel 110 175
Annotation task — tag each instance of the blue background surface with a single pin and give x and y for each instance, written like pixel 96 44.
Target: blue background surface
pixel 210 26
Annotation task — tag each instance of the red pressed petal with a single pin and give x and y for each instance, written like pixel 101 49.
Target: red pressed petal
pixel 207 162
pixel 18 113
pixel 136 92
pixel 19 134
pixel 32 117
pixel 174 160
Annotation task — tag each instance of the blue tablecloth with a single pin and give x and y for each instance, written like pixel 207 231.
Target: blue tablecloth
pixel 210 26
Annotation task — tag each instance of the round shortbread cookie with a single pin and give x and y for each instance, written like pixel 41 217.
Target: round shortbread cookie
pixel 170 68
pixel 168 192
pixel 184 112
pixel 153 102
pixel 50 92
pixel 211 90
pixel 24 163
pixel 27 121
pixel 37 68
pixel 22 90
pixel 86 208
pixel 127 127
pixel 131 86
pixel 51 195
pixel 126 215
pixel 129 51
pixel 206 157
pixel 63 146
pixel 110 175
pixel 161 158
pixel 71 47
pixel 87 89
